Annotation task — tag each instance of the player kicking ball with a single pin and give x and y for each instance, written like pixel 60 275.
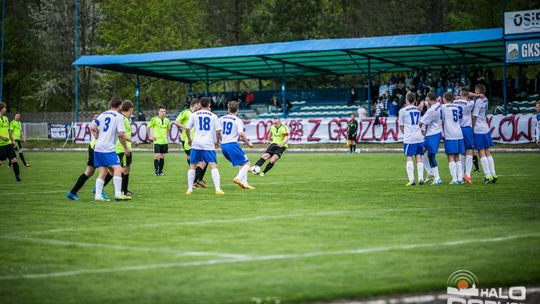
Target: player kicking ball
pixel 482 136
pixel 125 160
pixel 409 123
pixel 432 122
pixel 232 130
pixel 453 137
pixel 279 134
pixel 111 129
pixel 206 139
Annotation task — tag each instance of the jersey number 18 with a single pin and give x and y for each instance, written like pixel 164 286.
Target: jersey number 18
pixel 204 123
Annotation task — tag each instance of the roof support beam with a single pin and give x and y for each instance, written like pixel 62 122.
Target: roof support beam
pixel 307 67
pixel 443 47
pixel 142 72
pixel 379 59
pixel 209 66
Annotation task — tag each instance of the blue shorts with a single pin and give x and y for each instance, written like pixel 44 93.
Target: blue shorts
pixel 106 159
pixel 454 146
pixel 483 141
pixel 413 149
pixel 207 156
pixel 234 153
pixel 468 137
pixel 432 142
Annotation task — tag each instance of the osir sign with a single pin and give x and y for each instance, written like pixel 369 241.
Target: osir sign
pixel 522 22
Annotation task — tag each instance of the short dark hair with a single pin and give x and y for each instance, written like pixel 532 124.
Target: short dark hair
pixel 480 87
pixel 464 91
pixel 126 105
pixel 411 97
pixel 162 107
pixel 2 105
pixel 233 106
pixel 205 102
pixel 194 102
pixel 432 96
pixel 448 96
pixel 115 102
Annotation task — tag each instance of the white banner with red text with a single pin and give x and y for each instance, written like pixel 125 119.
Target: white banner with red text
pixel 510 129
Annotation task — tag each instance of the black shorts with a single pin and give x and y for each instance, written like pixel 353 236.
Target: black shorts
pixel 161 148
pixel 352 136
pixel 7 152
pixel 18 144
pixel 90 161
pixel 125 161
pixel 188 152
pixel 274 149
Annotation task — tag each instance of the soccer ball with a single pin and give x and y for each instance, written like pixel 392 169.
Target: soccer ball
pixel 255 169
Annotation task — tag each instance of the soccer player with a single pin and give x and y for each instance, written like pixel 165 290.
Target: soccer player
pixel 125 160
pixel 232 129
pixel 352 130
pixel 206 138
pixel 7 143
pixel 18 136
pixel 538 122
pixel 160 128
pixel 465 118
pixel 181 122
pixel 482 136
pixel 88 172
pixel 111 129
pixel 409 123
pixel 432 121
pixel 279 134
pixel 453 137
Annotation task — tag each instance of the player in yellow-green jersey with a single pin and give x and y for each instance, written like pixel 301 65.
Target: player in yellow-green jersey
pixel 279 135
pixel 181 121
pixel 159 128
pixel 7 143
pixel 125 160
pixel 18 136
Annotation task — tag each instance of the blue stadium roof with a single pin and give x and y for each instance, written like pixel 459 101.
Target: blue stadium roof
pixel 312 57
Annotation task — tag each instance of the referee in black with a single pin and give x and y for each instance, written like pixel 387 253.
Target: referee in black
pixel 352 133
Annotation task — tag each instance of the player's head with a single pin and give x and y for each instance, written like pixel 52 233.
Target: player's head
pixel 448 97
pixel 352 116
pixel 233 107
pixel 96 115
pixel 127 108
pixel 17 116
pixel 538 106
pixel 464 92
pixel 480 89
pixel 276 121
pixel 410 98
pixel 205 103
pixel 162 111
pixel 431 98
pixel 3 108
pixel 115 103
pixel 195 105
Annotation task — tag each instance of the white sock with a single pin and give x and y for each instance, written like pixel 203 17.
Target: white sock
pixel 435 173
pixel 117 181
pixel 459 170
pixel 453 172
pixel 491 165
pixel 420 169
pixel 99 188
pixel 215 178
pixel 468 165
pixel 462 159
pixel 425 161
pixel 244 179
pixel 241 172
pixel 190 179
pixel 410 170
pixel 485 166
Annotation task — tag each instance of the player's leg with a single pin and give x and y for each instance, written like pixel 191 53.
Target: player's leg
pixel 156 159
pixel 271 163
pixel 491 163
pixel 164 150
pixel 485 166
pixel 117 182
pixel 21 155
pixel 475 162
pixel 215 176
pixel 266 155
pixel 14 164
pixel 72 194
pixel 420 166
pixel 452 167
pixel 243 175
pixel 194 159
pixel 468 165
pixel 100 182
pixel 200 171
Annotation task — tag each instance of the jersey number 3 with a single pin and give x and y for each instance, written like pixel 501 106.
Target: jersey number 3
pixel 204 123
pixel 107 122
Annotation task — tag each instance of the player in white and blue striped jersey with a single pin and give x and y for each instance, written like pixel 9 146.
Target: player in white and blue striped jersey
pixel 432 122
pixel 453 137
pixel 465 118
pixel 409 120
pixel 482 135
pixel 232 130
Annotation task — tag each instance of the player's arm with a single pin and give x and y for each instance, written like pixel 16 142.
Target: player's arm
pixel 123 141
pixel 94 129
pixel 400 120
pixel 150 129
pixel 285 138
pixel 188 128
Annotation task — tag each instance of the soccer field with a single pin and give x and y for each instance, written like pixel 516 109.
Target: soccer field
pixel 318 227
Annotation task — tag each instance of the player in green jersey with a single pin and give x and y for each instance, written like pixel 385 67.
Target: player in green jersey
pixel 279 134
pixel 7 143
pixel 18 136
pixel 125 160
pixel 160 129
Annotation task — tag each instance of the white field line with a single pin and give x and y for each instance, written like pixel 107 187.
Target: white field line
pixel 263 258
pixel 237 220
pixel 125 248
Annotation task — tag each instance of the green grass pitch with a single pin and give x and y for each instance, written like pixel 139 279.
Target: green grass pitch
pixel 318 227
